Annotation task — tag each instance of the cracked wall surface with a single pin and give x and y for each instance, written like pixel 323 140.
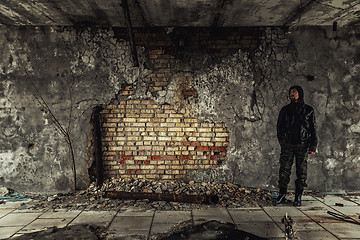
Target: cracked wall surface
pixel 247 90
pixel 236 77
pixel 73 70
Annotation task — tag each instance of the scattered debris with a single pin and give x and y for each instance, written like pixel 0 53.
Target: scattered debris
pixel 94 198
pixel 4 191
pixel 289 226
pixel 9 195
pixel 208 230
pixel 80 232
pixel 212 199
pixel 343 217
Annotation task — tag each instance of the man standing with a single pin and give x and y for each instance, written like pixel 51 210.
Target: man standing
pixel 296 133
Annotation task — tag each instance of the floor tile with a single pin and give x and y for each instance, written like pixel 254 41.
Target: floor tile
pixel 18 219
pixel 302 224
pixel 14 205
pixel 350 238
pixel 331 200
pixel 43 224
pixel 307 226
pixel 343 230
pixel 281 211
pixel 26 210
pixel 60 213
pixel 99 218
pixel 349 210
pixel 321 215
pixel 311 219
pixel 157 228
pixel 126 227
pixel 171 216
pixel 241 216
pixel 6 232
pixel 220 214
pixel 354 198
pixel 131 212
pixel 315 235
pixel 308 198
pixel 262 229
pixel 312 205
pixel 5 211
pixel 131 224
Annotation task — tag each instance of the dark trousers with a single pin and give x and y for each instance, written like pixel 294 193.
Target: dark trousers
pixel 288 153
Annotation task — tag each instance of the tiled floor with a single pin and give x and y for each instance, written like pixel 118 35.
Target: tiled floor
pixel 311 220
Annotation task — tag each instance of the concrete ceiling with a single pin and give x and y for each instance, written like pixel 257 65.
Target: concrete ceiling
pixel 186 13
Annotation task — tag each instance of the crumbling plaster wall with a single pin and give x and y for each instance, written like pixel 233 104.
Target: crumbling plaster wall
pixel 76 70
pixel 73 70
pixel 247 91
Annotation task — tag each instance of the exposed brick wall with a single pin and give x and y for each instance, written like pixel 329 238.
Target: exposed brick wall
pixel 144 140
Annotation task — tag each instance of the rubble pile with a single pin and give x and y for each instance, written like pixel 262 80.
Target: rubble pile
pixel 93 198
pixel 209 230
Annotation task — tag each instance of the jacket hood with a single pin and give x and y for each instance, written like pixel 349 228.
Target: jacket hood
pixel 300 91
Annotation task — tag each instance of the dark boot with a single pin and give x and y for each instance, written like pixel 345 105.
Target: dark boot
pixel 282 196
pixel 297 200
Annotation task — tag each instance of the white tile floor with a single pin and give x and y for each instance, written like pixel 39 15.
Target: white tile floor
pixel 311 219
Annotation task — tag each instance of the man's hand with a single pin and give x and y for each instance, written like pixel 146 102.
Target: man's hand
pixel 312 150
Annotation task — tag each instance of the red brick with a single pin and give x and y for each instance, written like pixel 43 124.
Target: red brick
pixel 199 155
pixel 202 148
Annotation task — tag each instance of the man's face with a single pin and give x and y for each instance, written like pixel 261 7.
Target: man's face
pixel 294 95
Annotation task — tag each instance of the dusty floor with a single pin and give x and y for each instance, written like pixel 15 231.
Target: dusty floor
pixel 242 213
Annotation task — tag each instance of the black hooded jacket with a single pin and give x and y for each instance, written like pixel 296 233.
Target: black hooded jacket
pixel 296 123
